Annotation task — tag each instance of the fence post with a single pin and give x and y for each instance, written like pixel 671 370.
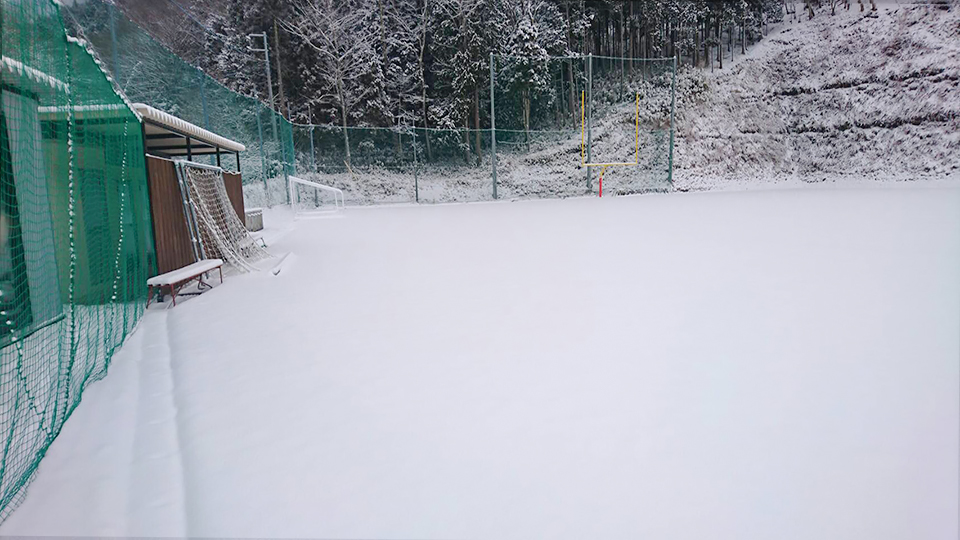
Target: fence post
pixel 493 131
pixel 283 155
pixel 416 179
pixel 263 162
pixel 673 113
pixel 589 118
pixel 313 153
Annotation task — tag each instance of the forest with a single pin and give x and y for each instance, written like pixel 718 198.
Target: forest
pixel 426 63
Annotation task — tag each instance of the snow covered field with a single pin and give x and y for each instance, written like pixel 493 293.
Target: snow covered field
pixel 767 364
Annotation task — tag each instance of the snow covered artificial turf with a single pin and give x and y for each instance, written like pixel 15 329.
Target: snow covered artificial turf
pixel 778 364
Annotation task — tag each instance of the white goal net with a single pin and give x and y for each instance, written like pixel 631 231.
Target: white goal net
pixel 216 227
pixel 309 198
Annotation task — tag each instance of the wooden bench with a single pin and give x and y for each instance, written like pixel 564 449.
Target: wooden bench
pixel 176 279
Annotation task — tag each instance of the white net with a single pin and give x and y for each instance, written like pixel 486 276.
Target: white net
pixel 312 198
pixel 220 232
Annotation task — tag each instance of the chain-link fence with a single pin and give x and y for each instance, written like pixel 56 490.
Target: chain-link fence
pixel 545 136
pixel 533 106
pixel 75 241
pixel 147 72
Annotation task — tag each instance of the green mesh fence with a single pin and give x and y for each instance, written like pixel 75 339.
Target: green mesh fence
pixel 147 72
pixel 540 135
pixel 533 107
pixel 76 244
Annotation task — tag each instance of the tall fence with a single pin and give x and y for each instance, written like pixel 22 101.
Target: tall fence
pixel 538 129
pixel 75 239
pixel 528 143
pixel 147 72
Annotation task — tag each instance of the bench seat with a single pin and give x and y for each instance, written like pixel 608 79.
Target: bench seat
pixel 175 279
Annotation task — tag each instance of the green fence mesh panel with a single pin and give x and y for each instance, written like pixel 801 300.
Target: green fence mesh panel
pixel 147 72
pixel 76 243
pixel 534 105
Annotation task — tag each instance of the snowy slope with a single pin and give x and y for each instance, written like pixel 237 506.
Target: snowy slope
pixel 857 95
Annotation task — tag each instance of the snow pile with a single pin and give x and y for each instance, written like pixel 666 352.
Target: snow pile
pixel 858 95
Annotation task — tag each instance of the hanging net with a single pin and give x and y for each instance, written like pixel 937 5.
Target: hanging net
pixel 217 228
pixel 76 246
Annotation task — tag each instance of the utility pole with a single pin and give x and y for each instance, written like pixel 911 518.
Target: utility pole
pixel 283 101
pixel 266 51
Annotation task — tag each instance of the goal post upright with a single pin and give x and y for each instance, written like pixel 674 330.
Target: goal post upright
pixel 603 166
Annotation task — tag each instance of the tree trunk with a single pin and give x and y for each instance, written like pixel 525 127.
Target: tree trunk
pixel 466 139
pixel 283 100
pixel 573 91
pixel 719 42
pixel 466 117
pixel 696 47
pixel 526 115
pixel 423 97
pixel 743 36
pixel 630 37
pixel 343 123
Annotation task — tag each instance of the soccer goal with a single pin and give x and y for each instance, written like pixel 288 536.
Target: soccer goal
pixel 215 227
pixel 308 198
pixel 604 166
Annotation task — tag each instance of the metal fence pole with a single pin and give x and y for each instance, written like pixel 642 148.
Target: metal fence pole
pixel 673 112
pixel 283 155
pixel 313 152
pixel 263 161
pixel 589 118
pixel 493 130
pixel 416 179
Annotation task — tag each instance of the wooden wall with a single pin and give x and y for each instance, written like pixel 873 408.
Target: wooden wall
pixel 235 193
pixel 171 236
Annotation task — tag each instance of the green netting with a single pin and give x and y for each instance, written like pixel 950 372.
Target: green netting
pixel 537 108
pixel 76 243
pixel 533 107
pixel 147 72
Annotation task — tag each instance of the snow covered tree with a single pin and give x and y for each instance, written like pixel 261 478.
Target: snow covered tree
pixel 345 57
pixel 539 32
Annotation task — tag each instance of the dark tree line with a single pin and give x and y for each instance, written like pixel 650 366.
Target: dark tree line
pixel 425 63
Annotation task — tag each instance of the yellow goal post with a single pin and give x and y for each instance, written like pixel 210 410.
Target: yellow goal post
pixel 603 166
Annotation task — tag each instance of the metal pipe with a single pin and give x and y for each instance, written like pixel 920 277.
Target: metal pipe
pixel 493 130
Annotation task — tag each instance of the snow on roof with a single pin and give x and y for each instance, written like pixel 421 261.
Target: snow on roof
pixel 14 67
pixel 170 121
pixel 81 112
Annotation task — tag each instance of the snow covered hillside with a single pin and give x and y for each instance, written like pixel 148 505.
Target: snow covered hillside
pixel 858 95
pixel 853 97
